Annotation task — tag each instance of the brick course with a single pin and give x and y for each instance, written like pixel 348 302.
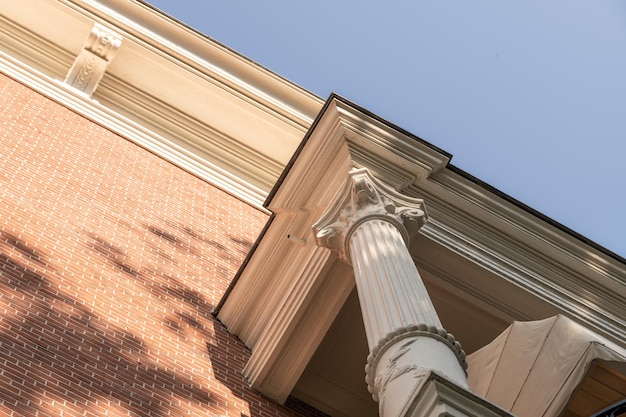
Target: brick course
pixel 111 261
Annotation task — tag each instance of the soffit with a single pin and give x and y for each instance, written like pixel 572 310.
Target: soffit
pixel 529 252
pixel 605 384
pixel 473 304
pixel 290 281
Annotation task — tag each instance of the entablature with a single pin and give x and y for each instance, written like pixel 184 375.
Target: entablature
pixel 168 88
pixel 526 249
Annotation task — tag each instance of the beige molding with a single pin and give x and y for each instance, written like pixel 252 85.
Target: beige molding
pixel 298 287
pixel 526 251
pixel 530 258
pixel 186 94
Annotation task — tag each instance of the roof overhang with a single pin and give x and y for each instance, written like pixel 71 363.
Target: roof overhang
pixel 168 88
pixel 496 259
pixel 230 121
pixel 291 290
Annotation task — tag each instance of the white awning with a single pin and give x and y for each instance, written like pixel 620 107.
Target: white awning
pixel 533 368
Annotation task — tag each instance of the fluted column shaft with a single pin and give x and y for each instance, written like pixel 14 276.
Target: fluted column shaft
pixel 391 292
pixel 370 227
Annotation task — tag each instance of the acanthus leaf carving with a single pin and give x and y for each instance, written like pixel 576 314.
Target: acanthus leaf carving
pixel 367 198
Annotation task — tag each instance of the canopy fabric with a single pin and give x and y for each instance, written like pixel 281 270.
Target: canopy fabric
pixel 533 368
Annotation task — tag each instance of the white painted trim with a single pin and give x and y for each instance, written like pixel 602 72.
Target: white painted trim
pixel 194 52
pixel 506 242
pixel 236 124
pixel 526 251
pixel 290 285
pixel 91 109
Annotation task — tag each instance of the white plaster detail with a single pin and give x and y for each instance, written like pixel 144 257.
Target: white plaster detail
pixel 132 100
pixel 92 61
pixel 103 42
pixel 464 218
pixel 271 278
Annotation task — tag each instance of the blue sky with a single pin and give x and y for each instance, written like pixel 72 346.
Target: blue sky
pixel 528 95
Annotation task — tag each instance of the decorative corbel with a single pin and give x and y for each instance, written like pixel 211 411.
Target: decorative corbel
pixel 92 61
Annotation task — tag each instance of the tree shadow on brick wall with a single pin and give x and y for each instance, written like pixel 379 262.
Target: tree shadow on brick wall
pixel 161 286
pixel 227 354
pixel 52 346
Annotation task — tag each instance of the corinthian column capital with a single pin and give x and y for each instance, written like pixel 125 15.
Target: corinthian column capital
pixel 363 199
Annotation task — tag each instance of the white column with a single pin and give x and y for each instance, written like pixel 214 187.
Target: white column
pixel 370 227
pixel 387 280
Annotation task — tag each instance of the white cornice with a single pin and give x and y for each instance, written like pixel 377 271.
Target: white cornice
pixel 41 53
pixel 526 254
pixel 292 283
pixel 386 149
pixel 132 130
pixel 181 95
pixel 528 251
pixel 199 139
pixel 347 136
pixel 185 47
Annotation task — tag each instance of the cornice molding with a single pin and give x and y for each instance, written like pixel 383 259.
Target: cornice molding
pixel 536 227
pixel 200 130
pixel 191 134
pixel 496 235
pixel 504 239
pixel 391 153
pixel 278 283
pixel 32 50
pixel 182 46
pixel 183 157
pixel 349 136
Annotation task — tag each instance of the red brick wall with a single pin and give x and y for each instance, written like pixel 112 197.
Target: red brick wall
pixel 111 260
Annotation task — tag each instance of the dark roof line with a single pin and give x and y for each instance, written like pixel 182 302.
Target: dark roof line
pixel 451 167
pixel 536 213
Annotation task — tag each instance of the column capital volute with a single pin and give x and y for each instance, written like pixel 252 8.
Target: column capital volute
pixel 364 198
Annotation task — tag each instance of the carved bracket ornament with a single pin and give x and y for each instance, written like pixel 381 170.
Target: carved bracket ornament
pixel 91 63
pixel 366 198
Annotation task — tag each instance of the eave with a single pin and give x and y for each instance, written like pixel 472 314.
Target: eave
pixel 510 264
pixel 219 115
